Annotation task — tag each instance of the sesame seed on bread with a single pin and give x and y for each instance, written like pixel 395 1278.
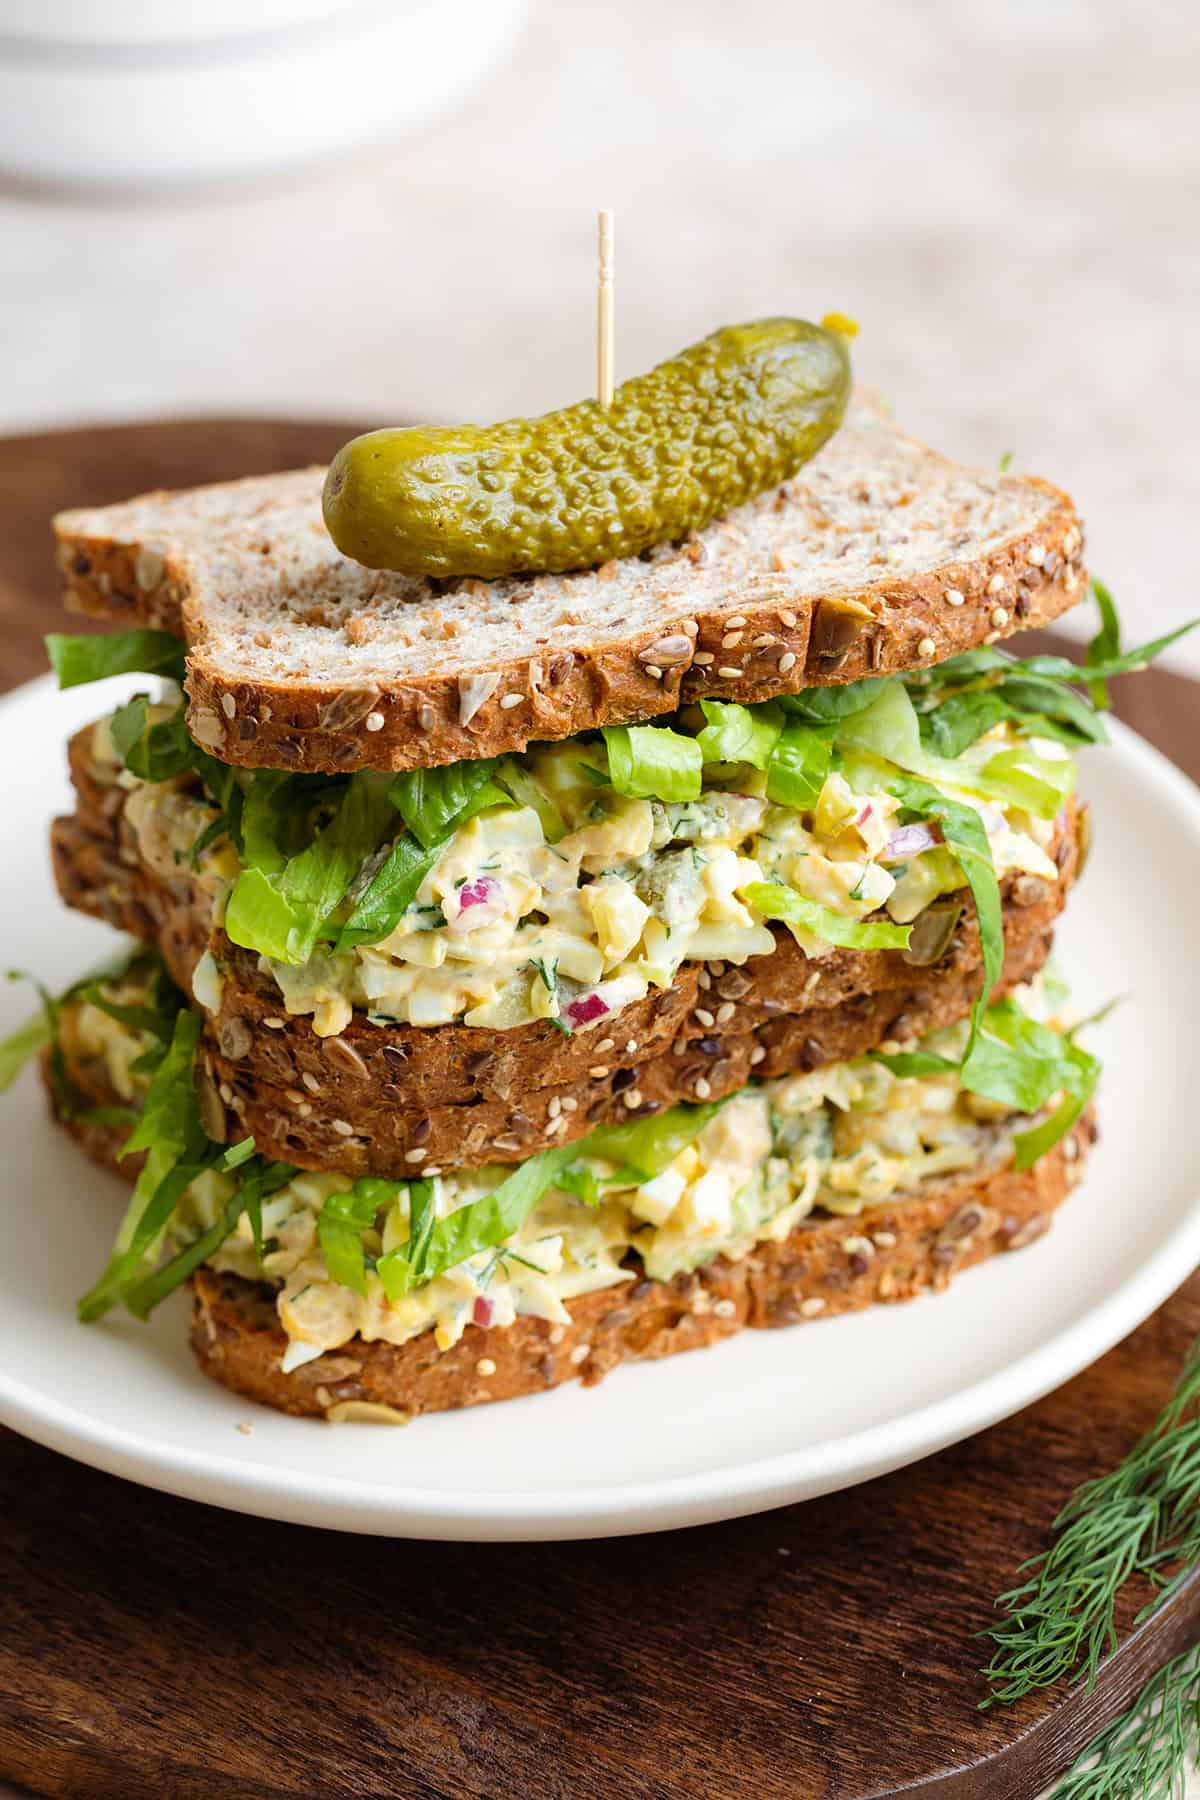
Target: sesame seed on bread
pixel 386 1099
pixel 879 556
pixel 913 1244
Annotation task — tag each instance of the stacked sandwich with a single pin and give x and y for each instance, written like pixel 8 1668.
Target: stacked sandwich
pixel 545 971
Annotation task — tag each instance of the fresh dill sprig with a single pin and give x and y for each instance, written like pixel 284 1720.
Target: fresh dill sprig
pixel 1140 1519
pixel 1144 1754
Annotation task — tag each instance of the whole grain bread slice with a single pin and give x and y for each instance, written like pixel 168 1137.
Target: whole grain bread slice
pixel 387 1099
pixel 879 556
pixel 914 1244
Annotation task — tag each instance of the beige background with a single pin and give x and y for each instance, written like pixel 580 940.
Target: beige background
pixel 1006 195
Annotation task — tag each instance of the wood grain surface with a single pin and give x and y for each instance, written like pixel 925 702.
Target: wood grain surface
pixel 150 1646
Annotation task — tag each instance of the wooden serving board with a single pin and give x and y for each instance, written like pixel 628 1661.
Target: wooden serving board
pixel 150 1646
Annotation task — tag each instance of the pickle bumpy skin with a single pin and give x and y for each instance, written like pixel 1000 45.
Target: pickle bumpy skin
pixel 732 415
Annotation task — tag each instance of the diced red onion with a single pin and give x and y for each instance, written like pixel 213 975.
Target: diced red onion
pixel 480 902
pixel 587 1008
pixel 477 892
pixel 484 1311
pixel 910 840
pixel 993 819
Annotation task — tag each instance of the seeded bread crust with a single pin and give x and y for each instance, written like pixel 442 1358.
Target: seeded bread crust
pixel 880 556
pixel 914 1245
pixel 394 1100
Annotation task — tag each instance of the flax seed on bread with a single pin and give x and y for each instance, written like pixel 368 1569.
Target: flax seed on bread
pixel 879 556
pixel 385 1099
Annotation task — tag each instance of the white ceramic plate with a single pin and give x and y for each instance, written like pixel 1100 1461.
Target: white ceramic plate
pixel 769 1418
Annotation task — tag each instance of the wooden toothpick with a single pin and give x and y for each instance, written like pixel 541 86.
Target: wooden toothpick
pixel 604 311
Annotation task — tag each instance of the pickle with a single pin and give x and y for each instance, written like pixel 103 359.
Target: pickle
pixel 732 415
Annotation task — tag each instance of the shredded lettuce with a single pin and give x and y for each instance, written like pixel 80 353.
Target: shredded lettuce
pixel 260 1178
pixel 962 698
pixel 1020 1064
pixel 152 752
pixel 393 887
pixel 963 830
pixel 340 1224
pixel 170 1132
pixel 890 730
pixel 389 894
pixel 78 659
pixel 22 1045
pixel 651 762
pixel 646 1147
pixel 282 906
pixel 1023 1064
pixel 1106 645
pixel 479 1226
pixel 640 1150
pixel 774 901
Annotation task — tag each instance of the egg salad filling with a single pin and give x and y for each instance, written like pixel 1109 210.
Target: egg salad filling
pixel 568 883
pixel 657 1196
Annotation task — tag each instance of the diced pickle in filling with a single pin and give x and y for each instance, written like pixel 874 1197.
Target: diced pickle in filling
pixel 658 1196
pixel 566 899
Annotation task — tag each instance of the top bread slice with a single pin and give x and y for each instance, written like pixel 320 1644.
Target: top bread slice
pixel 880 556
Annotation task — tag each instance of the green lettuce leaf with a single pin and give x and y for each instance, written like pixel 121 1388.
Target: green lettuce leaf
pixel 960 719
pixel 650 762
pixel 890 729
pixel 22 1045
pixel 774 901
pixel 1032 782
pixel 739 734
pixel 526 790
pixel 152 752
pixel 827 705
pixel 798 765
pixel 406 1267
pixel 393 887
pixel 1128 662
pixel 969 694
pixel 281 907
pixel 1037 707
pixel 481 1225
pixel 1106 645
pixel 170 1132
pixel 78 659
pixel 1023 1064
pixel 340 1224
pixel 646 1147
pixel 1079 1084
pixel 1018 1063
pixel 259 1178
pixel 42 1029
pixel 963 830
pixel 389 894
pixel 434 802
pixel 910 1064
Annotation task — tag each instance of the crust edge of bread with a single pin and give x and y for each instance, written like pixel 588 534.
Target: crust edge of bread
pixel 785 643
pixel 912 1245
pixel 666 1067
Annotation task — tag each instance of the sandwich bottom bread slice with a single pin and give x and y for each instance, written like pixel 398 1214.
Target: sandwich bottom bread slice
pixel 876 1178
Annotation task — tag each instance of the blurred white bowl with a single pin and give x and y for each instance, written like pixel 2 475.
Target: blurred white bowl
pixel 155 93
